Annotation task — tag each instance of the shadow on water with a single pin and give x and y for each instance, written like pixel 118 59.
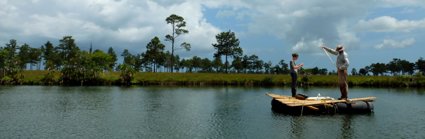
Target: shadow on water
pixel 346 128
pixel 323 126
pixel 297 126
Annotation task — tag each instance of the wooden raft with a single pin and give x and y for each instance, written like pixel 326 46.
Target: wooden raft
pixel 293 102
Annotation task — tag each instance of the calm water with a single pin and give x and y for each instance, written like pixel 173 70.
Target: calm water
pixel 175 112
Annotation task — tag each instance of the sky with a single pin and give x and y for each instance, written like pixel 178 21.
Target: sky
pixel 371 30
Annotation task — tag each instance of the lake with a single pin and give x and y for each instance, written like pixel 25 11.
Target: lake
pixel 198 112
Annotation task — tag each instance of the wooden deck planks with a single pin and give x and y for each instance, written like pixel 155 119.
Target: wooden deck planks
pixel 290 101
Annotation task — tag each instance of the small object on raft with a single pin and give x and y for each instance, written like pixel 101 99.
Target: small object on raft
pixel 320 105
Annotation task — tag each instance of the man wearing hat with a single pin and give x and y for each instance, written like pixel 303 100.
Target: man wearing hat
pixel 342 66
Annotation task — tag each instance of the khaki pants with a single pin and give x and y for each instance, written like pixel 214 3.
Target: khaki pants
pixel 342 82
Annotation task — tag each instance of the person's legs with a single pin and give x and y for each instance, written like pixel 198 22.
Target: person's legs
pixel 343 85
pixel 294 84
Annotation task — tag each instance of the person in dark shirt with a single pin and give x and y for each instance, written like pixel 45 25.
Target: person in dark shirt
pixel 294 73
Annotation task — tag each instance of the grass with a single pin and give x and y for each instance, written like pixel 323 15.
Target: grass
pixel 209 79
pixel 200 79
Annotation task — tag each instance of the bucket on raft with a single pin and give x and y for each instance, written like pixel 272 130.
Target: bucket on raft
pixel 356 107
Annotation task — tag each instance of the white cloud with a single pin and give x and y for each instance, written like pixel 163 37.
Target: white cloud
pixel 390 24
pixel 125 24
pixel 130 24
pixel 397 3
pixel 308 46
pixel 308 21
pixel 389 43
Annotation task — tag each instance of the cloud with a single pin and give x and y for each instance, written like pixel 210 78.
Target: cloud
pixel 397 3
pixel 122 24
pixel 305 22
pixel 389 43
pixel 305 46
pixel 390 24
pixel 130 24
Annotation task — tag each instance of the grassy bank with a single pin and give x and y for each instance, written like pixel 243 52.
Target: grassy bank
pixel 210 79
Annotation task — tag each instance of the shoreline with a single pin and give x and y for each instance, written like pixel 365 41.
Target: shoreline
pixel 35 77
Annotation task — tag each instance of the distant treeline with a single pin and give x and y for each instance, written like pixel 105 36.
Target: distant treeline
pixel 84 67
pixel 394 67
pixel 35 77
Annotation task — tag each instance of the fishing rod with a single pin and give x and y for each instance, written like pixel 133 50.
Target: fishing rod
pixel 332 61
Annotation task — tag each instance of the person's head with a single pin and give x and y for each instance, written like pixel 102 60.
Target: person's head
pixel 339 48
pixel 294 56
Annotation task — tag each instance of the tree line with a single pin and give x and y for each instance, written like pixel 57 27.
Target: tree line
pixel 79 67
pixel 156 59
pixel 84 67
pixel 394 67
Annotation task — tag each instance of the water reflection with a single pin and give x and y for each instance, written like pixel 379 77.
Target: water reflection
pixel 179 112
pixel 226 103
pixel 297 126
pixel 346 130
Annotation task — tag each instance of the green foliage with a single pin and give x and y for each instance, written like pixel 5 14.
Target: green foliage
pixel 378 68
pixel 177 24
pixel 88 70
pixel 267 81
pixel 197 64
pixel 68 51
pixel 67 64
pixel 51 57
pixel 354 71
pixel 363 71
pixel 49 78
pixel 127 74
pixel 112 62
pixel 283 67
pixel 217 64
pixel 268 67
pixel 420 65
pixel 76 67
pixel 154 54
pixel 315 71
pixel 227 45
pixel 237 64
pixel 135 61
pixel 398 65
pixel 395 67
pixel 305 80
pixel 7 80
pixel 23 55
pixel 34 56
pixel 10 64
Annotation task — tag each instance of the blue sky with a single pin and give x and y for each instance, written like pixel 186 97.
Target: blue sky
pixel 372 31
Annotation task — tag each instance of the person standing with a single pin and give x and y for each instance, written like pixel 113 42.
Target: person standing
pixel 342 64
pixel 294 73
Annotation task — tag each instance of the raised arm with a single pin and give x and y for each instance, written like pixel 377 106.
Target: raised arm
pixel 332 51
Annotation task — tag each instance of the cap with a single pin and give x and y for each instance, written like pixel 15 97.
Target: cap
pixel 339 48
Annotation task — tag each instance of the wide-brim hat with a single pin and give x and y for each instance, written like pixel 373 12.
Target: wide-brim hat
pixel 339 48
